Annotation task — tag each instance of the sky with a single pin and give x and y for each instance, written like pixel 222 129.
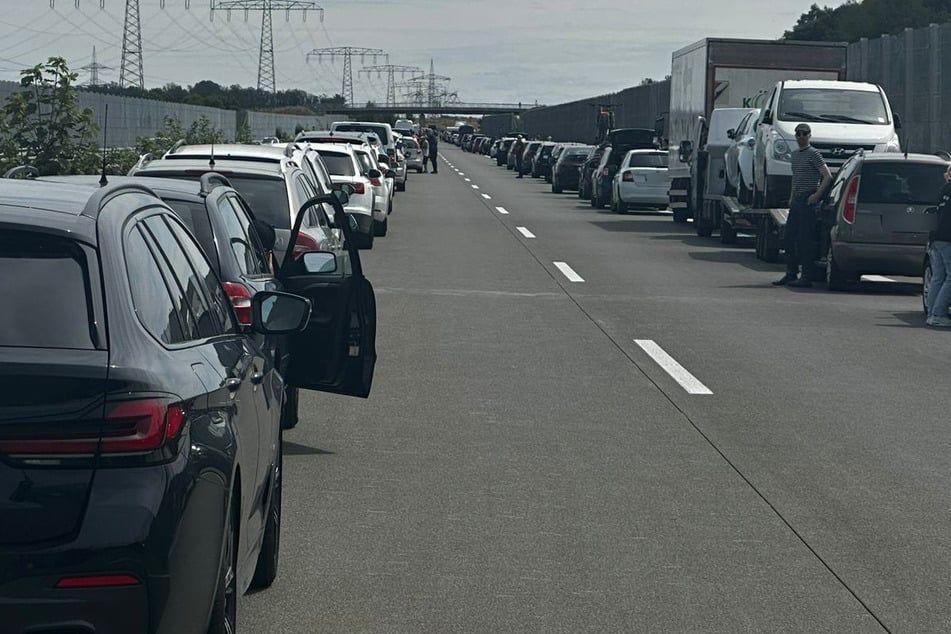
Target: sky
pixel 493 51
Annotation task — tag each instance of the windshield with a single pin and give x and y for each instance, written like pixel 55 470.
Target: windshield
pixel 904 183
pixel 833 105
pixel 338 164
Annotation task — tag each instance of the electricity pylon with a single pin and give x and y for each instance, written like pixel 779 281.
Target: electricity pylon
pixel 434 95
pixel 347 52
pixel 130 70
pixel 391 70
pixel 266 7
pixel 94 69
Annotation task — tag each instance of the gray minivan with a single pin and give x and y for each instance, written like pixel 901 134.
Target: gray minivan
pixel 875 218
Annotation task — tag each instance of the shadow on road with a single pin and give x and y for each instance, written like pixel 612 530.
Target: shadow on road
pixel 295 449
pixel 640 225
pixel 914 319
pixel 743 257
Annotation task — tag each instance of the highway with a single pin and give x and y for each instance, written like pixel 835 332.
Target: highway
pixel 584 421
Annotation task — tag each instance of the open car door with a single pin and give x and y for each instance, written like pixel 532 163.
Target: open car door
pixel 336 351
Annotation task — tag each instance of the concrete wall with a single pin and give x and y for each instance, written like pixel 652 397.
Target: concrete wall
pixel 910 67
pixel 131 117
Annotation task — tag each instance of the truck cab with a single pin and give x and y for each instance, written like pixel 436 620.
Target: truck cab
pixel 845 117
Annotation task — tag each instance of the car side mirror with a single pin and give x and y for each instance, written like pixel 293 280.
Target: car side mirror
pixel 373 173
pixel 731 133
pixel 390 174
pixel 897 120
pixel 343 194
pixel 274 313
pixel 686 149
pixel 319 262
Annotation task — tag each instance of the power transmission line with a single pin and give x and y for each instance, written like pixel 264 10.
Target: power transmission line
pixel 266 7
pixel 347 52
pixel 94 69
pixel 130 70
pixel 390 70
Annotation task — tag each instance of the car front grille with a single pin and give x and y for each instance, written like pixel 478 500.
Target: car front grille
pixel 835 154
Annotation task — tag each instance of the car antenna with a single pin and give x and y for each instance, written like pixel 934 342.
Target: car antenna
pixel 103 181
pixel 211 161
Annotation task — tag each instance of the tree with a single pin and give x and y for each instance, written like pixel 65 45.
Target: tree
pixel 43 125
pixel 854 20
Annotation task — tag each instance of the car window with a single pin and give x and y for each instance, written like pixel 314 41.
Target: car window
pixel 901 182
pixel 267 197
pixel 242 241
pixel 61 315
pixel 204 323
pixel 195 217
pixel 159 309
pixel 339 164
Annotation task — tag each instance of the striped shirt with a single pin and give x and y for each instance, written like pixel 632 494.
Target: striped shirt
pixel 806 166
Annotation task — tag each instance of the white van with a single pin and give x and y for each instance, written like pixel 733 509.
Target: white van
pixel 845 117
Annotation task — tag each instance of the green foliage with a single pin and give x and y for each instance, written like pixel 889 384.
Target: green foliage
pixel 243 134
pixel 870 18
pixel 43 125
pixel 282 134
pixel 202 132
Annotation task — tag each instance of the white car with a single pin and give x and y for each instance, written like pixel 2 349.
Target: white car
pixel 413 154
pixel 383 187
pixel 739 156
pixel 641 180
pixel 345 168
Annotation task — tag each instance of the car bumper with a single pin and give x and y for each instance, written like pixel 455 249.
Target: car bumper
pixel 414 164
pixel 879 259
pixel 634 194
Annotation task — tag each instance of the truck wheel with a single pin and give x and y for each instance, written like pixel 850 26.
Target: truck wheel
pixel 765 248
pixel 704 227
pixel 836 278
pixel 727 232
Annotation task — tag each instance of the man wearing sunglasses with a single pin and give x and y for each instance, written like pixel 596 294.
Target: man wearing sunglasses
pixel 810 179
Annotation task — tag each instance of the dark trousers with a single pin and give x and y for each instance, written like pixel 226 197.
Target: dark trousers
pixel 799 237
pixel 432 157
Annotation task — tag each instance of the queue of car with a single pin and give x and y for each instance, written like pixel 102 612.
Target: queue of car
pixel 148 390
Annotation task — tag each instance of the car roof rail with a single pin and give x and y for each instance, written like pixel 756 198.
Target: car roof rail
pixel 109 191
pixel 144 160
pixel 290 148
pixel 176 146
pixel 210 180
pixel 943 154
pixel 22 171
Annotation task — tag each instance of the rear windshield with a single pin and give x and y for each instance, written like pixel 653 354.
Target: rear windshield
pixel 338 164
pixel 410 144
pixel 379 131
pixel 44 282
pixel 647 160
pixel 900 182
pixel 267 198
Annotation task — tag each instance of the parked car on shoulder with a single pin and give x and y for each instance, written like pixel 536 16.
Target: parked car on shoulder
pixel 413 154
pixel 586 170
pixel 641 181
pixel 541 162
pixel 565 171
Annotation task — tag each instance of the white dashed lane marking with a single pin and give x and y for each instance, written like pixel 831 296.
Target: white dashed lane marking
pixel 475 187
pixel 677 372
pixel 502 211
pixel 568 272
pixel 525 232
pixel 486 196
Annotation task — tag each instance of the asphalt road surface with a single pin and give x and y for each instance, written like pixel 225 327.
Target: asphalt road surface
pixel 670 445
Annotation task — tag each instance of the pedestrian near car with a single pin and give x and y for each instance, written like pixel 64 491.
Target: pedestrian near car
pixel 810 179
pixel 433 148
pixel 424 149
pixel 939 292
pixel 518 148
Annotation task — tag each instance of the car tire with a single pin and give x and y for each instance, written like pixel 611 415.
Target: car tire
pixel 555 187
pixel 743 193
pixel 268 559
pixel 727 232
pixel 401 187
pixel 224 609
pixel 380 227
pixel 289 416
pixel 836 278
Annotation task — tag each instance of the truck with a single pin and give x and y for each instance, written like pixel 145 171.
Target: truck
pixel 729 73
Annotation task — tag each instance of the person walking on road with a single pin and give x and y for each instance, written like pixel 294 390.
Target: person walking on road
pixel 518 148
pixel 939 292
pixel 810 179
pixel 433 148
pixel 424 149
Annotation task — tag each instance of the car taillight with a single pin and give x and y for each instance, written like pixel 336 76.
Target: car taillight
pixel 303 244
pixel 130 426
pixel 98 581
pixel 240 298
pixel 376 182
pixel 628 177
pixel 851 200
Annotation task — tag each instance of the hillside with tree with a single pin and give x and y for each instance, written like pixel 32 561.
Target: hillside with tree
pixel 871 18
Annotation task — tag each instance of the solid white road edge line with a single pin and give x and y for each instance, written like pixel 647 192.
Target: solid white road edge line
pixel 568 272
pixel 525 232
pixel 876 278
pixel 502 211
pixel 680 374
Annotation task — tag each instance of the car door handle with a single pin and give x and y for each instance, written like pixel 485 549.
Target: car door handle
pixel 257 377
pixel 232 384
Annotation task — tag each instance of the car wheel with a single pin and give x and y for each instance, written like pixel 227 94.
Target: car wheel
pixel 224 610
pixel 925 284
pixel 727 232
pixel 289 416
pixel 743 192
pixel 401 187
pixel 836 278
pixel 555 187
pixel 266 570
pixel 757 196
pixel 380 227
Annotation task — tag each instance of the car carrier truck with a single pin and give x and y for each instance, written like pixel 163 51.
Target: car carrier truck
pixel 728 73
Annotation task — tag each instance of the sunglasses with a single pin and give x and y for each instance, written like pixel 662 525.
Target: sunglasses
pixel 803 133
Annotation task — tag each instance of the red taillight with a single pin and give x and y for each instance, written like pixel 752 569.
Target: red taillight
pixel 240 298
pixel 99 581
pixel 851 200
pixel 129 426
pixel 628 177
pixel 376 182
pixel 304 244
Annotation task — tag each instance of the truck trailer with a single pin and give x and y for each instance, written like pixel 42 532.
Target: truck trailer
pixel 729 73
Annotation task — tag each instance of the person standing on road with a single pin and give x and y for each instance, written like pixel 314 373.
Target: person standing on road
pixel 518 148
pixel 433 147
pixel 939 292
pixel 810 179
pixel 424 150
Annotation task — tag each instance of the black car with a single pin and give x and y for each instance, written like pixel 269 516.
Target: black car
pixel 565 172
pixel 140 442
pixel 616 147
pixel 502 153
pixel 585 172
pixel 541 163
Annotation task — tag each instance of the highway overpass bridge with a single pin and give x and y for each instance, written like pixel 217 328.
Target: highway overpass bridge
pixel 457 108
